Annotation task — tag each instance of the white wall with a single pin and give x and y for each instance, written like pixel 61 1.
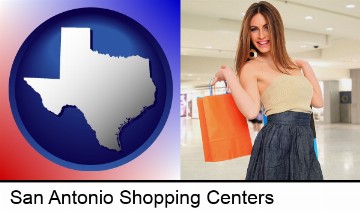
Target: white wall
pixel 324 74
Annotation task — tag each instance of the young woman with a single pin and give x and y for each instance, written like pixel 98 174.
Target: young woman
pixel 264 73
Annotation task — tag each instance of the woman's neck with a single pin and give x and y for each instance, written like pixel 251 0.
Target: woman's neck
pixel 266 56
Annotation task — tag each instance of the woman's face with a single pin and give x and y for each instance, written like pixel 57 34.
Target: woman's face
pixel 259 32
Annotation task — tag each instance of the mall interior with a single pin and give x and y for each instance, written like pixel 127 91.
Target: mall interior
pixel 325 33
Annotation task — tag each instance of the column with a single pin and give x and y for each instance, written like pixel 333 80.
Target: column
pixel 331 101
pixel 355 96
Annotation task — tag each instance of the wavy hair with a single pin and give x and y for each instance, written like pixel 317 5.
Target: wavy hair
pixel 278 51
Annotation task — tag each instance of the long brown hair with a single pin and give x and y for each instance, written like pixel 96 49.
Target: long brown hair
pixel 278 51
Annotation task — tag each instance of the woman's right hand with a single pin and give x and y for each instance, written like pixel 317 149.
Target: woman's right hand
pixel 220 75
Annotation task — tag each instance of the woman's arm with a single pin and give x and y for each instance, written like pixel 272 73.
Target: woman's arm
pixel 245 94
pixel 317 100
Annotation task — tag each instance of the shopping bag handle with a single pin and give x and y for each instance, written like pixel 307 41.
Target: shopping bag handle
pixel 211 87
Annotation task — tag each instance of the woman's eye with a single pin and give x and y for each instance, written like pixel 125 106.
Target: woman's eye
pixel 253 29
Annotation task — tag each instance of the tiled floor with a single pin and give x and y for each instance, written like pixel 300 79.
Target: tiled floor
pixel 338 146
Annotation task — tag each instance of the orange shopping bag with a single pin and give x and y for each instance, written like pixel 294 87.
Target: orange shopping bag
pixel 224 130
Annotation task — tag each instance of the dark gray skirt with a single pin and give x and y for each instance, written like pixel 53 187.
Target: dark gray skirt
pixel 284 150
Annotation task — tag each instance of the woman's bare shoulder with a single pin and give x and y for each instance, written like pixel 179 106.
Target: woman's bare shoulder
pixel 301 63
pixel 249 69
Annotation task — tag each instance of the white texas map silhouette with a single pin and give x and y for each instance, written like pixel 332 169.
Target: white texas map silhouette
pixel 108 90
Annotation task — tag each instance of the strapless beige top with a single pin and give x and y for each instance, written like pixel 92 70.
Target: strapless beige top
pixel 287 93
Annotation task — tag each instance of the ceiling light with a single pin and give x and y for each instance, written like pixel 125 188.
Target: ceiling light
pixel 329 29
pixel 308 17
pixel 243 14
pixel 208 47
pixel 350 6
pixel 303 46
